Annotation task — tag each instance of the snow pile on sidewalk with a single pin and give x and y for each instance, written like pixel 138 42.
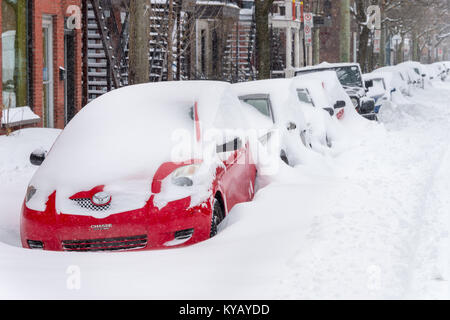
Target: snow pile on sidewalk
pixel 15 173
pixel 370 221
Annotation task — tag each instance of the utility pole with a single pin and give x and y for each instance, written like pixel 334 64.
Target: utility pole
pixel 344 36
pixel 316 37
pixel 139 41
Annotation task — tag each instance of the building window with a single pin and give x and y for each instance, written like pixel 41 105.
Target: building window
pixel 14 53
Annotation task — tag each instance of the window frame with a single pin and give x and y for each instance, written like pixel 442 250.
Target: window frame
pixel 260 96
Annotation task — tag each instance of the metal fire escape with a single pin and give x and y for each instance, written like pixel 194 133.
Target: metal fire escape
pixel 105 42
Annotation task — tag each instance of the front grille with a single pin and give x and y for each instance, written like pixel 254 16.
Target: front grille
pixel 87 203
pixel 107 244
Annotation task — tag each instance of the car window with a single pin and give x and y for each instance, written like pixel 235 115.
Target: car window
pixel 349 76
pixel 379 84
pixel 303 96
pixel 262 105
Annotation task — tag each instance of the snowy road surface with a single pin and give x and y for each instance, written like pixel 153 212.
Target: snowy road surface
pixel 372 222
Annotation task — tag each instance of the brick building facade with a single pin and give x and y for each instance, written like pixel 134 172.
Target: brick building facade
pixel 329 37
pixel 41 60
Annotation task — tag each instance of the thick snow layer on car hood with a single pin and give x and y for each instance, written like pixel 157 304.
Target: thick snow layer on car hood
pixel 122 137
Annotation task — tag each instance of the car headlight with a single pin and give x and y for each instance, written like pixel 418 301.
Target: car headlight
pixel 183 176
pixel 355 102
pixel 31 191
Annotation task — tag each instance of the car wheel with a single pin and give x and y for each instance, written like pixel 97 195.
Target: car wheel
pixel 216 217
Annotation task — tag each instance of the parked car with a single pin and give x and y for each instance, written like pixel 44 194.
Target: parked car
pixel 415 71
pixel 380 92
pixel 349 74
pixel 440 70
pixel 138 168
pixel 399 79
pixel 323 89
pixel 447 67
pixel 273 99
pixel 294 119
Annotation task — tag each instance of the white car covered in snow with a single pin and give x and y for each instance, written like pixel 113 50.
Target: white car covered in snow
pixel 379 91
pixel 278 100
pixel 416 72
pixel 323 90
pixel 398 78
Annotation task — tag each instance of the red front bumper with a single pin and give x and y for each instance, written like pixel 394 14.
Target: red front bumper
pixel 142 229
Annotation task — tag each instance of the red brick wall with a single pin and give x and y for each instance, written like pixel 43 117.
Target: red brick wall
pixel 1 80
pixel 57 9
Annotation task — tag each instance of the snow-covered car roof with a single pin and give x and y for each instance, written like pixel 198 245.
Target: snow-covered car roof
pixel 327 65
pixel 399 78
pixel 332 90
pixel 126 134
pixel 414 69
pixel 372 76
pixel 282 97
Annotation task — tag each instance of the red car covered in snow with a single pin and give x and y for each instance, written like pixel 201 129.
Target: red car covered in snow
pixel 148 166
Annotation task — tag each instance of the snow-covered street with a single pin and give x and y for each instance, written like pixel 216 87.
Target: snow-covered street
pixel 372 222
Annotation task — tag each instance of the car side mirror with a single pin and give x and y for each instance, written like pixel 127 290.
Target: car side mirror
pixel 37 157
pixel 233 145
pixel 330 111
pixel 424 75
pixel 369 83
pixel 339 104
pixel 393 90
pixel 291 126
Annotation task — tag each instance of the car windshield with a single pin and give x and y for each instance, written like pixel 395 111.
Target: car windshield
pixel 349 76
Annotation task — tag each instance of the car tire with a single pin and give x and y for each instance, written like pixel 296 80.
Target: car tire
pixel 216 217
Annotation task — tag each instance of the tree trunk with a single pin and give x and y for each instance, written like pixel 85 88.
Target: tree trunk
pixel 363 36
pixel 139 41
pixel 362 48
pixel 344 36
pixel 382 54
pixel 316 36
pixel 262 8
